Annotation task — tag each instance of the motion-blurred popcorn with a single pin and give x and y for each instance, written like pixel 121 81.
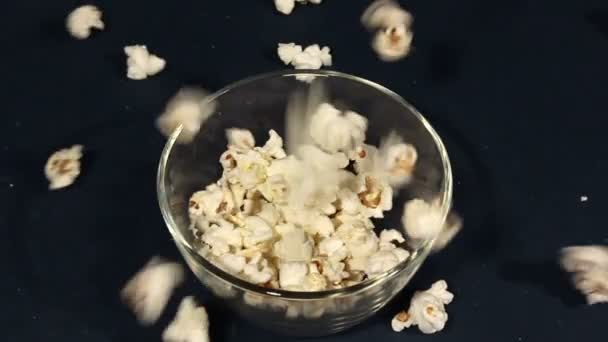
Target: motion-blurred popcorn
pixel 302 222
pixel 451 228
pixel 422 220
pixel 141 63
pixel 148 292
pixel 191 323
pixel 82 20
pixel 392 26
pixel 63 167
pixel 187 108
pixel 589 266
pixel 312 57
pixel 427 310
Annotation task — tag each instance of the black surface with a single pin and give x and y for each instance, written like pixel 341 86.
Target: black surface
pixel 516 88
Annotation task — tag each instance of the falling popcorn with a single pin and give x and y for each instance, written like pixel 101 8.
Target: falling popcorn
pixel 287 6
pixel 189 109
pixel 191 323
pixel 312 57
pixel 141 63
pixel 63 167
pixel 266 220
pixel 427 310
pixel 148 292
pixel 589 266
pixel 82 20
pixel 392 26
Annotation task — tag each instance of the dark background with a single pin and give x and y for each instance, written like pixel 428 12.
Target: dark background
pixel 516 88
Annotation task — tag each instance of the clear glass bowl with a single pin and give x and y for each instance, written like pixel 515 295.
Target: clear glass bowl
pixel 258 103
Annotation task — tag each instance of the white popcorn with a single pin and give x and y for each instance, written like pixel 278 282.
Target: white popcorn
pixel 287 6
pixel 250 170
pixel 274 189
pixel 206 202
pixel 393 37
pixel 240 139
pixel 292 274
pixel 259 231
pixel 141 63
pixel 384 260
pixel 333 270
pixel 63 167
pixel 269 214
pixel 233 263
pixel 427 310
pixel 376 196
pixel 422 221
pixel 191 323
pixel 335 131
pixel 274 146
pixel 220 238
pixel 258 272
pixel 392 44
pixel 333 248
pixel 312 57
pixel 390 235
pixel 360 241
pixel 82 20
pixel 385 13
pixel 294 246
pixel 287 52
pixel 321 225
pixel 189 109
pixel 349 202
pixel 314 282
pixel 148 292
pixel 589 265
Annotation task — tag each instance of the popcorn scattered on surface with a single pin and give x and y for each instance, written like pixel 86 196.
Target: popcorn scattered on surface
pixel 82 20
pixel 187 108
pixel 268 222
pixel 589 266
pixel 141 63
pixel 427 310
pixel 191 323
pixel 392 26
pixel 312 57
pixel 148 292
pixel 63 167
pixel 287 6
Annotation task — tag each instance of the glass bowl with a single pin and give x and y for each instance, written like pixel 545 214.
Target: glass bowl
pixel 258 103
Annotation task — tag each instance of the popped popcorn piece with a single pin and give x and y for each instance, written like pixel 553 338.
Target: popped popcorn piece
pixel 189 109
pixel 259 231
pixel 240 139
pixel 258 272
pixel 333 248
pixel 335 131
pixel 251 169
pixel 349 201
pixel 376 196
pixel 393 38
pixel 274 146
pixel 421 220
pixel 221 237
pixel 427 310
pixel 294 246
pixel 312 57
pixel 314 282
pixel 393 43
pixel 292 274
pixel 319 224
pixel 141 63
pixel 334 271
pixel 148 292
pixel 269 214
pixel 360 241
pixel 191 323
pixel 233 263
pixel 82 20
pixel 287 6
pixel 589 265
pixel 390 235
pixel 584 198
pixel 207 202
pixel 385 259
pixel 288 51
pixel 63 167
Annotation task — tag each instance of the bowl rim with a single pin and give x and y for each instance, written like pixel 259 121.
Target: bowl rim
pixel 412 261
